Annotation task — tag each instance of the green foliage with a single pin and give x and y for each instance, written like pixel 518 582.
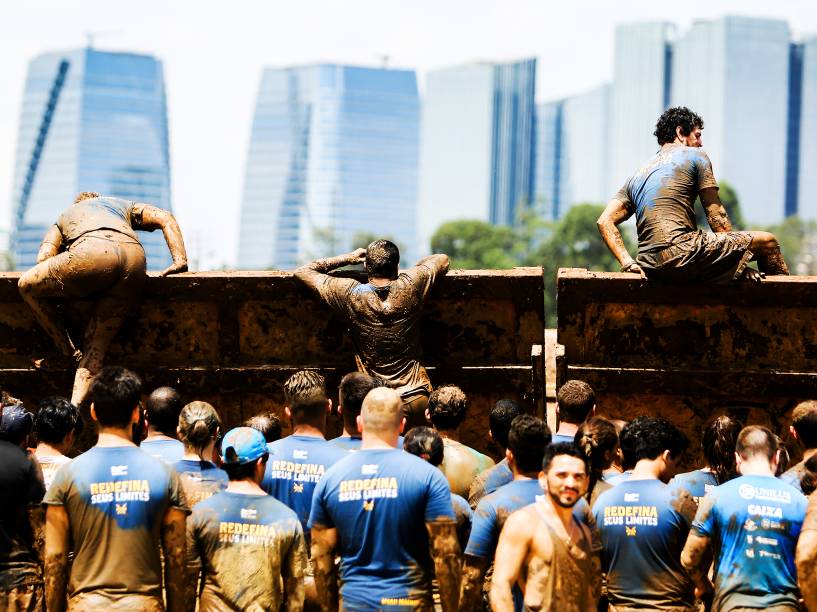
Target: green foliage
pixel 473 244
pixel 731 203
pixel 797 240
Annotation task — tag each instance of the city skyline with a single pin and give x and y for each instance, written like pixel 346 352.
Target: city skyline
pixel 207 82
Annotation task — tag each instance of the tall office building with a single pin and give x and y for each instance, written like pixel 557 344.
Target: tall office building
pixel 333 154
pixel 734 72
pixel 640 93
pixel 550 169
pixel 90 121
pixel 807 177
pixel 477 149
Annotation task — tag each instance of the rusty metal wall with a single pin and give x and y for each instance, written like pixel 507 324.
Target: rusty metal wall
pixel 233 339
pixel 689 352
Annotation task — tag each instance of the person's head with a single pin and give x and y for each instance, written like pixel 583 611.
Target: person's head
pixel 501 417
pixel 718 442
pixel 57 423
pixel 575 400
pixel 382 259
pixel 679 123
pixel 804 423
pixel 597 438
pixel 162 410
pixel 527 440
pixel 198 426
pixel 115 393
pixel 648 438
pixel 15 424
pixel 808 482
pixel 306 401
pixel 353 389
pixel 446 407
pixel 381 414
pixel 86 195
pixel 425 443
pixel 757 445
pixel 244 454
pixel 268 424
pixel 564 475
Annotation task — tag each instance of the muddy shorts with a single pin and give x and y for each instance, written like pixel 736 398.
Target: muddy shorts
pixel 100 261
pixel 700 257
pixel 88 602
pixel 26 598
pixel 415 403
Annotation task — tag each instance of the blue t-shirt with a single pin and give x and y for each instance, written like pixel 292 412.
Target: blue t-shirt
pixel 465 516
pixel 560 438
pixel 644 525
pixel 489 481
pixel 697 483
pixel 348 443
pixel 379 501
pixel 245 544
pixel 295 466
pixel 116 498
pixel 200 479
pixel 617 479
pixel 491 512
pixel 753 523
pixel 169 451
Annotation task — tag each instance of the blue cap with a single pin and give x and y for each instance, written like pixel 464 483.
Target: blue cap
pixel 242 445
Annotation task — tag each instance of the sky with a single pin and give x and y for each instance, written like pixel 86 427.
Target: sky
pixel 214 53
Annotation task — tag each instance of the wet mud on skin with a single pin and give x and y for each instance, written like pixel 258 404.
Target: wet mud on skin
pixel 56 581
pixel 461 465
pixel 445 551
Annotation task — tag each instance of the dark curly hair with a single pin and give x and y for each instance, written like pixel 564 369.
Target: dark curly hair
pixel 56 418
pixel 527 440
pixel 718 441
pixel 425 443
pixel 677 116
pixel 646 437
pixel 382 259
pixel 447 406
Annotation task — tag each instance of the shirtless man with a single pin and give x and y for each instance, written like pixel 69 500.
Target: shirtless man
pixel 384 315
pixel 533 548
pixel 662 196
pixel 93 249
pixel 807 555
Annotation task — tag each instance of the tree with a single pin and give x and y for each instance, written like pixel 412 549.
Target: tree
pixel 472 244
pixel 729 198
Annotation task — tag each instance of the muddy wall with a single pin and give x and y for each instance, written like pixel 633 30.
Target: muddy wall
pixel 688 352
pixel 233 339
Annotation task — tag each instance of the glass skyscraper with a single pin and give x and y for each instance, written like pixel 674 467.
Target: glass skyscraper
pixel 550 169
pixel 90 121
pixel 333 155
pixel 477 152
pixel 807 177
pixel 734 72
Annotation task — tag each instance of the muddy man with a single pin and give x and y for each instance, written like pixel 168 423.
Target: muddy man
pixel 93 251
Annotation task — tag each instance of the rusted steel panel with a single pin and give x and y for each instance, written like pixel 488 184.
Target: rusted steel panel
pixel 234 338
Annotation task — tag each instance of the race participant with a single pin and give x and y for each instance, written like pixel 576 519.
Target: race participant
pixel 21 490
pixel 806 558
pixel 546 547
pixel 56 425
pixel 575 402
pixel 162 415
pixel 297 462
pixel 353 388
pixel 718 442
pixel 111 506
pixel 499 423
pixel 425 443
pixel 644 523
pixel 199 428
pixel 384 315
pixel 268 424
pixel 598 439
pixel 447 407
pixel 750 525
pixel 662 194
pixel 804 430
pixel 527 441
pixel 384 511
pixel 246 542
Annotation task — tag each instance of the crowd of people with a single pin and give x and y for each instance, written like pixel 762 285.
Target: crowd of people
pixel 166 511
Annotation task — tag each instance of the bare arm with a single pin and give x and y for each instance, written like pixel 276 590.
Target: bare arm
pixel 313 274
pixel 56 558
pixel 157 218
pixel 173 546
pixel 696 558
pixel 324 542
pixel 615 214
pixel 439 261
pixel 292 571
pixel 50 245
pixel 715 212
pixel 511 552
pixel 445 551
pixel 193 569
pixel 807 567
pixel 473 572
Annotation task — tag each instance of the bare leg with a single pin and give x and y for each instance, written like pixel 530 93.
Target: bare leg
pixel 767 253
pixel 109 313
pixel 37 286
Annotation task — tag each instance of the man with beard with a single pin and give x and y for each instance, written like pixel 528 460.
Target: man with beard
pixel 546 546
